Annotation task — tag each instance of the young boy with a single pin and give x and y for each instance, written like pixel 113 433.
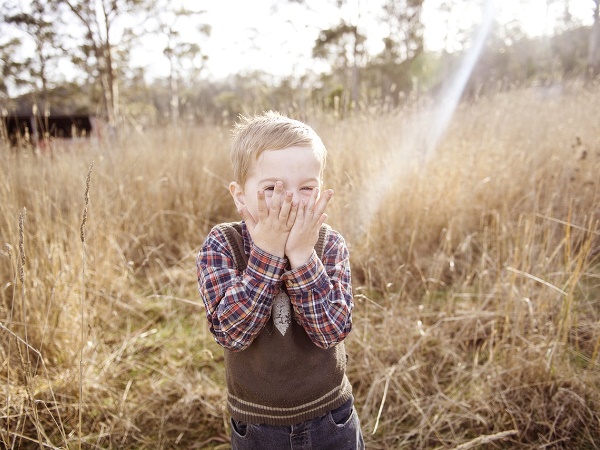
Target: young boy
pixel 278 296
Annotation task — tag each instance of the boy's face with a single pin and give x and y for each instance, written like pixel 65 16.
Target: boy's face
pixel 297 167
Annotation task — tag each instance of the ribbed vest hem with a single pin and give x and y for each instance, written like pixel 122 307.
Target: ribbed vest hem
pixel 261 414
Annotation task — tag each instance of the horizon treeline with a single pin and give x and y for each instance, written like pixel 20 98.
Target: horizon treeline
pixel 110 86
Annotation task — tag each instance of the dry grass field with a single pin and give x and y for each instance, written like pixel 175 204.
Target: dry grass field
pixel 476 280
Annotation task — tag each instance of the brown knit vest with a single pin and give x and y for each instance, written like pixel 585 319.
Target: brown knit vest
pixel 282 379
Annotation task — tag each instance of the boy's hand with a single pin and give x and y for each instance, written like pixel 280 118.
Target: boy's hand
pixel 271 229
pixel 305 230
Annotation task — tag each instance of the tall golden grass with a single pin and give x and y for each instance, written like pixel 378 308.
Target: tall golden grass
pixel 476 278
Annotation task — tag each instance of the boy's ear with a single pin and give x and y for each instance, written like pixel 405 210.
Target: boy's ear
pixel 237 193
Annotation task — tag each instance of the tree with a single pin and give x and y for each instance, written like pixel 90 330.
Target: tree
pixel 9 66
pixel 396 66
pixel 181 54
pixel 594 46
pixel 40 25
pixel 343 47
pixel 405 28
pixel 99 51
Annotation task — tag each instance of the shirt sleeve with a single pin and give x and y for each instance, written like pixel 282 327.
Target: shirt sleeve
pixel 238 304
pixel 321 293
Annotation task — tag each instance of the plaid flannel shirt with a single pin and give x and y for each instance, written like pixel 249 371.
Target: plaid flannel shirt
pixel 238 304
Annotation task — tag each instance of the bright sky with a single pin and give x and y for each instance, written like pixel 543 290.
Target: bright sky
pixel 249 35
pixel 277 36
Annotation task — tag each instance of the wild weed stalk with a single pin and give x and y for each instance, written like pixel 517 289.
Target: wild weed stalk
pixel 86 200
pixel 476 321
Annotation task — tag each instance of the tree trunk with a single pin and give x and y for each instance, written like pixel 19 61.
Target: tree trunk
pixel 173 91
pixel 101 50
pixel 355 76
pixel 111 80
pixel 594 48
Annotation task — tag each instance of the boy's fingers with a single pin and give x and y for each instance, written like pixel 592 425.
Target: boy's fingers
pixel 286 207
pixel 293 214
pixel 301 210
pixel 276 200
pixel 322 219
pixel 312 202
pixel 327 195
pixel 262 205
pixel 322 203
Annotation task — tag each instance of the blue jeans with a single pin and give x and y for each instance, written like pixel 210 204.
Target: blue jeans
pixel 337 430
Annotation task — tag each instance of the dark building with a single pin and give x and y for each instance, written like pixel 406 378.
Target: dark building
pixel 29 128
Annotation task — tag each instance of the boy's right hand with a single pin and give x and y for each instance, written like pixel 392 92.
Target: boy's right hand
pixel 270 230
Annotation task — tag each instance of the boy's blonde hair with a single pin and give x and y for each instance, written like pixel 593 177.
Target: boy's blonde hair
pixel 269 131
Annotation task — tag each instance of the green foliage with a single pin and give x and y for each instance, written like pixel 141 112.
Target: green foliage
pixel 405 39
pixel 41 26
pixel 9 66
pixel 353 81
pixel 339 44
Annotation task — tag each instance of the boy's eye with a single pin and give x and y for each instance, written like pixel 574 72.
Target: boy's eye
pixel 308 188
pixel 269 190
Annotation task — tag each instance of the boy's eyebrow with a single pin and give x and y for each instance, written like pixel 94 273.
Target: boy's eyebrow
pixel 310 179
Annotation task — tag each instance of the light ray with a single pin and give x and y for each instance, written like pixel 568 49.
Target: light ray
pixel 425 130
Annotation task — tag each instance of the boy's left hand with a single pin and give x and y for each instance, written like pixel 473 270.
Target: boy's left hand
pixel 305 232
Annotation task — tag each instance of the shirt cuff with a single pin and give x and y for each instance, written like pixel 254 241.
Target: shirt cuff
pixel 306 277
pixel 264 266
